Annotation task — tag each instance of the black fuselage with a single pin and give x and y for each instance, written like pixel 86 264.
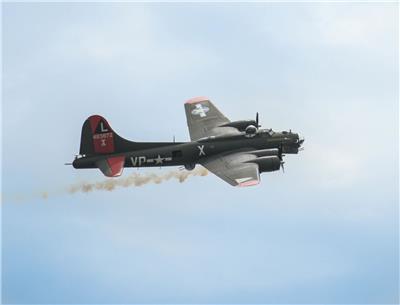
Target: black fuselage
pixel 188 154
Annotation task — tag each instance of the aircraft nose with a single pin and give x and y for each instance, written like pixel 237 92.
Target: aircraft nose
pixel 300 143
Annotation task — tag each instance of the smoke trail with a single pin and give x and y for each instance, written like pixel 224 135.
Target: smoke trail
pixel 135 180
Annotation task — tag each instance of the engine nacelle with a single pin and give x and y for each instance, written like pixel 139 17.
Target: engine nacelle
pixel 240 125
pixel 267 164
pixel 190 166
pixel 265 152
pixel 290 150
pixel 251 130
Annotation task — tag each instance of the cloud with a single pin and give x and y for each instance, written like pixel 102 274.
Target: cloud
pixel 365 25
pixel 130 37
pixel 136 63
pixel 332 167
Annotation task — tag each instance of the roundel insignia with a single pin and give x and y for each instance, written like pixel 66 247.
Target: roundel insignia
pixel 200 110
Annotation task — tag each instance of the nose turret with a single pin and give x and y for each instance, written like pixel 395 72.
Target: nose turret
pixel 291 142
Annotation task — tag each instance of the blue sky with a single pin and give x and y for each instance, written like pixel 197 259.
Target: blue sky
pixel 326 231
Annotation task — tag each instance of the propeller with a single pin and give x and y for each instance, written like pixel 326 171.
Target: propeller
pixel 280 152
pixel 280 156
pixel 257 125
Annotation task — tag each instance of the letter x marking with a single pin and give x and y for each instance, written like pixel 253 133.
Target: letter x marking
pixel 201 150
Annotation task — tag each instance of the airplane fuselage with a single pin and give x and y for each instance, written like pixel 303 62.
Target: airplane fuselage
pixel 235 151
pixel 189 154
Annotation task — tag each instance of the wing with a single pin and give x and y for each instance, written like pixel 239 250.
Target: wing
pixel 204 119
pixel 233 168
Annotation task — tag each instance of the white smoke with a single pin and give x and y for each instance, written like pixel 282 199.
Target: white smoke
pixel 135 180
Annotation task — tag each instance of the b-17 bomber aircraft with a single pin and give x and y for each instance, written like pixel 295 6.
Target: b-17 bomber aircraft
pixel 235 151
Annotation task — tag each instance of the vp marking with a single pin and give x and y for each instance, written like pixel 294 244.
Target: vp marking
pixel 138 161
pixel 200 110
pixel 143 160
pixel 201 150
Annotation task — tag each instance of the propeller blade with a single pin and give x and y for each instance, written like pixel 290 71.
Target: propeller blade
pixel 257 125
pixel 283 167
pixel 280 152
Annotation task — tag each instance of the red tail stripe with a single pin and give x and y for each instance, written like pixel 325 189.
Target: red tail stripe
pixel 94 121
pixel 197 100
pixel 116 165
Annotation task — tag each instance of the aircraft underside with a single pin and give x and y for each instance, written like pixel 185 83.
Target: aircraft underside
pixel 237 152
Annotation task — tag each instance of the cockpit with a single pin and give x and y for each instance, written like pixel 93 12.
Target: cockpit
pixel 266 132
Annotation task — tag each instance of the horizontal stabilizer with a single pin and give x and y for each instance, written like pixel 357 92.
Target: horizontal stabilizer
pixel 111 167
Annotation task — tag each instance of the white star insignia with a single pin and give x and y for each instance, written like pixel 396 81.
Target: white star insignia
pixel 159 160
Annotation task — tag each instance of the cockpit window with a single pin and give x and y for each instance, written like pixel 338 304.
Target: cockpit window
pixel 265 132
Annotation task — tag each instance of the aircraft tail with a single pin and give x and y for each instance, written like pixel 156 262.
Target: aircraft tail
pixel 97 137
